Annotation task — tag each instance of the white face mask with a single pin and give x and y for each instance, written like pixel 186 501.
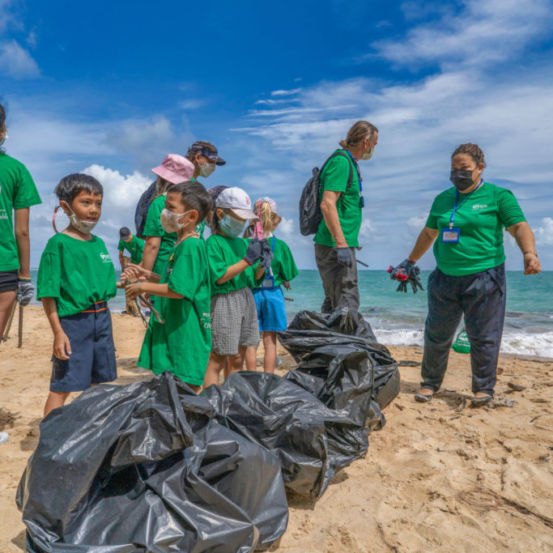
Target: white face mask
pixel 207 169
pixel 368 155
pixel 80 224
pixel 170 221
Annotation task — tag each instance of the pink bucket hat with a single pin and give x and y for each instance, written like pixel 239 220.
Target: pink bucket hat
pixel 175 169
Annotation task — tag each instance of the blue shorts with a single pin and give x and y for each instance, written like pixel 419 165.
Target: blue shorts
pixel 93 357
pixel 271 310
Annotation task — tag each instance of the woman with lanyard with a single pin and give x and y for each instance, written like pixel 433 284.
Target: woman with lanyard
pixel 342 203
pixel 466 226
pixel 17 194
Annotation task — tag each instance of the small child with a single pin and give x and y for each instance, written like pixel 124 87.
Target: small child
pixel 269 299
pixel 131 243
pixel 181 345
pixel 233 313
pixel 76 278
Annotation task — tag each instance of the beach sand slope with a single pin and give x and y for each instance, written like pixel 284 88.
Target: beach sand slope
pixel 440 477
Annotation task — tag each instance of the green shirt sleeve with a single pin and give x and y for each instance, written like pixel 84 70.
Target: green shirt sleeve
pixel 186 276
pixel 153 222
pixel 121 246
pixel 49 275
pixel 288 266
pixel 432 219
pixel 26 194
pixel 510 212
pixel 216 261
pixel 336 174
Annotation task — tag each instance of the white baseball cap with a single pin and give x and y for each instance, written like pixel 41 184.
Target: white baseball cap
pixel 237 201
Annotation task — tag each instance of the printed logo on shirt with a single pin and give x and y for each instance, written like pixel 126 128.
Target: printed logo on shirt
pixel 206 320
pixel 479 206
pixel 105 257
pixel 3 214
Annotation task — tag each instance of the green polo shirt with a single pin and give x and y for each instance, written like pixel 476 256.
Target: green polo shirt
pixel 17 191
pixel 481 219
pixel 334 177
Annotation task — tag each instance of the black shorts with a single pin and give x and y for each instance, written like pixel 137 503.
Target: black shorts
pixel 8 281
pixel 93 357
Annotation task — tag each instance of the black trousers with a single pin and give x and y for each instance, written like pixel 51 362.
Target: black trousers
pixel 480 297
pixel 339 282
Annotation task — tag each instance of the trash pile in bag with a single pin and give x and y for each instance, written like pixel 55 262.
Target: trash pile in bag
pixel 152 468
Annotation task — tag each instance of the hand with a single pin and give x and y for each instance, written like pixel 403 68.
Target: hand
pixel 254 251
pixel 134 272
pixel 132 291
pixel 62 346
pixel 25 290
pixel 344 256
pixel 406 272
pixel 286 285
pixel 532 265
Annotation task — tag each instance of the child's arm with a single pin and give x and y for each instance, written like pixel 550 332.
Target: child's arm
pixel 151 249
pixel 62 346
pixel 163 290
pixel 253 253
pixel 133 272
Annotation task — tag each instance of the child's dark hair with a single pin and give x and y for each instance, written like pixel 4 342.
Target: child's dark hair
pixel 195 196
pixel 2 116
pixel 68 187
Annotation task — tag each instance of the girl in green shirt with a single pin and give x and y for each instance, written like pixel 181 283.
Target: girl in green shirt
pixel 180 344
pixel 268 296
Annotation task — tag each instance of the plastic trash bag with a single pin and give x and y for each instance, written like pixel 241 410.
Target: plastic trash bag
pixel 145 468
pixel 311 440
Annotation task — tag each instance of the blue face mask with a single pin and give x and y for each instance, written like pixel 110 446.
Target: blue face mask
pixel 231 227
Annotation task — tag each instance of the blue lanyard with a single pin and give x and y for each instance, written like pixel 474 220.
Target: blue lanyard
pixel 456 206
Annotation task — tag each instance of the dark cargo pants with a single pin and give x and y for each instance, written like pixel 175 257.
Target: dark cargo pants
pixel 339 282
pixel 481 298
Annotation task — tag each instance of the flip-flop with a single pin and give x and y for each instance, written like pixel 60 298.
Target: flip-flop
pixel 480 401
pixel 423 398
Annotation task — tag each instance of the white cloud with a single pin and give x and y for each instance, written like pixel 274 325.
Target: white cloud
pixel 485 31
pixel 544 233
pixel 17 62
pixel 283 92
pixel 192 104
pixel 416 223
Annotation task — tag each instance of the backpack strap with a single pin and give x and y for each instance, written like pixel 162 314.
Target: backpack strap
pixel 341 154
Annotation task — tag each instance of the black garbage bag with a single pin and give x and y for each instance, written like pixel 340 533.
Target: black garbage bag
pixel 311 440
pixel 331 359
pixel 145 468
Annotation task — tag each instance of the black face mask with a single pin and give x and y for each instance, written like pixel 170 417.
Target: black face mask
pixel 461 179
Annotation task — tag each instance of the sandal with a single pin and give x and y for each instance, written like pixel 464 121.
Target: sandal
pixel 480 401
pixel 424 398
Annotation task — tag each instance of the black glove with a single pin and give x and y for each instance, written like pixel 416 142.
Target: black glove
pixel 344 257
pixel 25 291
pixel 266 254
pixel 406 272
pixel 254 251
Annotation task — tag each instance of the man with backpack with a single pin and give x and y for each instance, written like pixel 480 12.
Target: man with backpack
pixel 341 204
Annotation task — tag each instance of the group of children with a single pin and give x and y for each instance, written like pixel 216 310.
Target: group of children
pixel 211 297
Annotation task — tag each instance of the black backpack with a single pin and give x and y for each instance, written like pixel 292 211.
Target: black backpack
pixel 142 207
pixel 310 201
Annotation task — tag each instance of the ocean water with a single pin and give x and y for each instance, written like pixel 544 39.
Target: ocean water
pixel 398 319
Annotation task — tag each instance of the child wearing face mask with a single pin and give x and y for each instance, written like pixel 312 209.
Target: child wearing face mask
pixel 182 343
pixel 231 259
pixel 268 296
pixel 76 278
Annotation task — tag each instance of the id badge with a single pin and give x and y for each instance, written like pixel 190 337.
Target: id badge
pixel 451 235
pixel 269 282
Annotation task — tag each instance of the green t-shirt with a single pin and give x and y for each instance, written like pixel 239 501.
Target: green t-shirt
pixel 222 252
pixel 153 228
pixel 335 177
pixel 283 265
pixel 17 191
pixel 135 246
pixel 481 219
pixel 183 343
pixel 77 273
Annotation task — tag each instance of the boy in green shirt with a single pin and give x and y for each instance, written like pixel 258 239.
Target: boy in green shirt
pixel 131 243
pixel 76 278
pixel 180 345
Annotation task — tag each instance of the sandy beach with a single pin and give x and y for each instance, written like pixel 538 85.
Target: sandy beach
pixel 439 477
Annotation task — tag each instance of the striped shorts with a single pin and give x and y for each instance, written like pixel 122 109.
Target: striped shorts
pixel 233 322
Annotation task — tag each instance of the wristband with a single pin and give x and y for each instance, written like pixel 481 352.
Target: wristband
pixel 23 278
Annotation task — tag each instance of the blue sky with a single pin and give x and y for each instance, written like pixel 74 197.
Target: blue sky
pixel 111 87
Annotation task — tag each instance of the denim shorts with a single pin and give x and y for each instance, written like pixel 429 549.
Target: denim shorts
pixel 92 360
